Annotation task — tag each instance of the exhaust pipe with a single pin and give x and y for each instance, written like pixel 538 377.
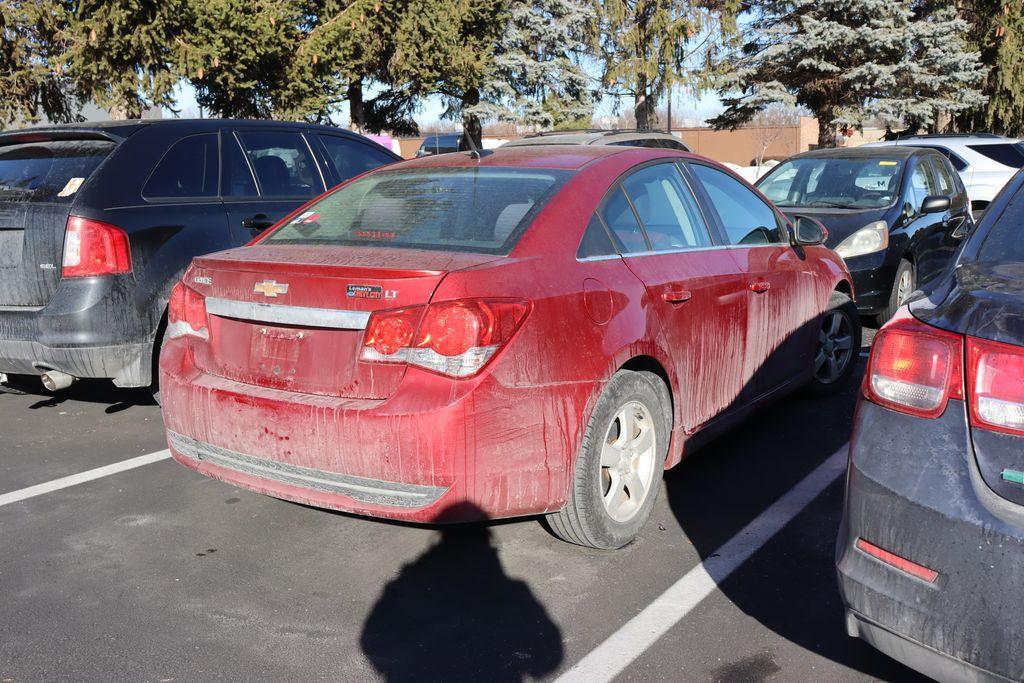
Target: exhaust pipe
pixel 54 381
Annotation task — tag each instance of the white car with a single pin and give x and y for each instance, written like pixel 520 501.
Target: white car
pixel 984 161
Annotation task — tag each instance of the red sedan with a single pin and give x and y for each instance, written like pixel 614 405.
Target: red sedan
pixel 537 330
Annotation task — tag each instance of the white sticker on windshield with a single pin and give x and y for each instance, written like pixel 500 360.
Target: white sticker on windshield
pixel 71 187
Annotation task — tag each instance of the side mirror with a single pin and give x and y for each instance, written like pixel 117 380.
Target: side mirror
pixel 935 203
pixel 808 232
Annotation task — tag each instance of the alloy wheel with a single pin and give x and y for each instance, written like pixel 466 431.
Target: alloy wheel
pixel 835 347
pixel 904 288
pixel 628 461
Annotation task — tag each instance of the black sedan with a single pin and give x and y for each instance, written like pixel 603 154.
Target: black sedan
pixel 931 549
pixel 895 214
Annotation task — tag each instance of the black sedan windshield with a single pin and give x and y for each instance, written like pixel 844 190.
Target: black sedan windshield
pixel 834 182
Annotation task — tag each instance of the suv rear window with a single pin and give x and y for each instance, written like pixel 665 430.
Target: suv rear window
pixel 51 171
pixel 1008 153
pixel 477 209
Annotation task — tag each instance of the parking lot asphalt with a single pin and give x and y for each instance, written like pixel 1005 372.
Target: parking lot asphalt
pixel 157 573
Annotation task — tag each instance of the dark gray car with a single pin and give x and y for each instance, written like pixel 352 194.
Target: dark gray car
pixel 931 549
pixel 99 221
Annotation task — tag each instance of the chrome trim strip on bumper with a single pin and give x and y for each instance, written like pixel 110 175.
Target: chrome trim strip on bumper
pixel 288 315
pixel 376 491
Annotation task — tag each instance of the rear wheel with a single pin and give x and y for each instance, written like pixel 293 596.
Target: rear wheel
pixel 619 468
pixel 902 287
pixel 838 344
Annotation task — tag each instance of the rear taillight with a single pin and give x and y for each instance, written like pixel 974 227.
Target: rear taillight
pixel 455 338
pixel 995 380
pixel 915 368
pixel 186 313
pixel 95 248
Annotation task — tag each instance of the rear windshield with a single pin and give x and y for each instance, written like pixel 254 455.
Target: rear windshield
pixel 1005 153
pixel 49 171
pixel 834 182
pixel 473 209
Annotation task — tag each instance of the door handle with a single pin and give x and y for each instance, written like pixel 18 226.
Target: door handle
pixel 676 295
pixel 258 222
pixel 760 286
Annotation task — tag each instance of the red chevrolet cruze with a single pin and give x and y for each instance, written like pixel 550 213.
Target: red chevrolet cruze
pixel 536 330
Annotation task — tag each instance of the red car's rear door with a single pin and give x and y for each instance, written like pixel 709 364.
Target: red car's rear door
pixel 784 302
pixel 693 288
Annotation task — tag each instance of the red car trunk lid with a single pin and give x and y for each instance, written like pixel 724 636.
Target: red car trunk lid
pixel 293 318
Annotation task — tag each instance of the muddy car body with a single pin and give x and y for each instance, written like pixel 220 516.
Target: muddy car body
pixel 324 364
pixel 98 221
pixel 932 540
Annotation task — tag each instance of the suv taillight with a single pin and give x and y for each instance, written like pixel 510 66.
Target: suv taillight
pixel 186 313
pixel 95 248
pixel 915 368
pixel 455 338
pixel 995 380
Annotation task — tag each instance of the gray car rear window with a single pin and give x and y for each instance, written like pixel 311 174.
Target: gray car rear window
pixel 463 209
pixel 50 171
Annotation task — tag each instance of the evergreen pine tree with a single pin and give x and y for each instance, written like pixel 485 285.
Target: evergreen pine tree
pixel 32 74
pixel 536 77
pixel 643 46
pixel 848 61
pixel 121 52
pixel 997 31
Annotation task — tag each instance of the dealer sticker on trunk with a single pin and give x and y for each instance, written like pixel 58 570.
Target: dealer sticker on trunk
pixel 369 292
pixel 364 292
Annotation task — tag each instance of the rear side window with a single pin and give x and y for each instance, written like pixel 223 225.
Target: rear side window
pixel 1005 240
pixel 620 218
pixel 667 209
pixel 958 163
pixel 282 163
pixel 49 171
pixel 189 169
pixel 1008 154
pixel 747 219
pixel 474 209
pixel 351 157
pixel 596 241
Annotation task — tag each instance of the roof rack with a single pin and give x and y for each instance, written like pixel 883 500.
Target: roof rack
pixel 948 135
pixel 602 131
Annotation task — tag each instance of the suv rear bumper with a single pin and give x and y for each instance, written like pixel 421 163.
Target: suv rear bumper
pixel 92 328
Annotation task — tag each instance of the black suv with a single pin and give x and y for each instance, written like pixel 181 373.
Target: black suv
pixel 98 221
pixel 896 215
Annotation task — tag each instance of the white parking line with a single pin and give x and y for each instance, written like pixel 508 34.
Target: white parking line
pixel 82 477
pixel 612 656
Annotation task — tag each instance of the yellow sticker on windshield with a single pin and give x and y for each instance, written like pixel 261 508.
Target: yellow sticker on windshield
pixel 888 163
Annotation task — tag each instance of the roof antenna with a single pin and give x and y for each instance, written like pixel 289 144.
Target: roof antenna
pixel 474 151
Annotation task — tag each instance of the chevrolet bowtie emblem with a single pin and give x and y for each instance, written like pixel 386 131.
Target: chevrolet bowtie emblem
pixel 270 288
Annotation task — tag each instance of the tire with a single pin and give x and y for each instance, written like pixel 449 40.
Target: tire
pixel 838 346
pixel 587 519
pixel 896 297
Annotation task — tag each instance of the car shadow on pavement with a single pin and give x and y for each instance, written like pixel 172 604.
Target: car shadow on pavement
pixel 789 586
pixel 86 391
pixel 453 614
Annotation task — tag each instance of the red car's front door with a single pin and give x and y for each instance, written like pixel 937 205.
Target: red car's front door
pixel 785 304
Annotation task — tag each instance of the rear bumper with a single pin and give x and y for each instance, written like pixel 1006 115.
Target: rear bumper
pixel 92 328
pixel 436 451
pixel 931 663
pixel 129 365
pixel 914 489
